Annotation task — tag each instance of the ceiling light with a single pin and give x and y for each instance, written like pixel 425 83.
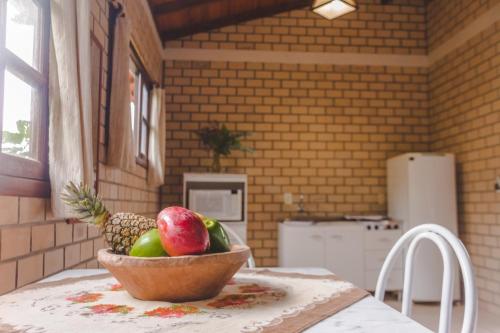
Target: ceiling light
pixel 331 9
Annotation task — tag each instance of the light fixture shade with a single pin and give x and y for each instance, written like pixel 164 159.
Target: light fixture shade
pixel 331 9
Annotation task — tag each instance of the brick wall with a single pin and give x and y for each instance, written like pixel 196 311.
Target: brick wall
pixel 398 28
pixel 447 18
pixel 321 130
pixel 464 105
pixel 33 244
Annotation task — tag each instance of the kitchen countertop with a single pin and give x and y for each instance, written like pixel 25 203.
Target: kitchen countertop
pixel 367 315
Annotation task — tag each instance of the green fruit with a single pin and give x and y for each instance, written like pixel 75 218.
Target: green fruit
pixel 219 240
pixel 148 245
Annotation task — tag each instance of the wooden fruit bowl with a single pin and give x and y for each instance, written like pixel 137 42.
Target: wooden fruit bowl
pixel 175 279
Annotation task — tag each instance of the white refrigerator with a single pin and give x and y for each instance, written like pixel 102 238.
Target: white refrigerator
pixel 421 189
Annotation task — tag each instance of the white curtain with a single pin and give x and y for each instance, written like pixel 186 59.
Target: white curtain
pixel 156 151
pixel 121 152
pixel 70 103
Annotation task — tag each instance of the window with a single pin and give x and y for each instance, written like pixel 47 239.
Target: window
pixel 24 40
pixel 140 91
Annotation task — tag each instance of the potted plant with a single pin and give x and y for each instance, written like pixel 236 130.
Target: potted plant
pixel 221 142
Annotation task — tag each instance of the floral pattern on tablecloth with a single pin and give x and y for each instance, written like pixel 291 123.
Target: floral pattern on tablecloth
pixel 247 295
pixel 85 297
pixel 175 310
pixel 248 303
pixel 109 308
pixel 238 294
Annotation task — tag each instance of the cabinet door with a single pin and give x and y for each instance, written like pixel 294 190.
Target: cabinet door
pixel 301 246
pixel 344 253
pixel 378 243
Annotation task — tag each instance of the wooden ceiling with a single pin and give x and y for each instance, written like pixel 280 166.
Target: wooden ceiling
pixel 178 18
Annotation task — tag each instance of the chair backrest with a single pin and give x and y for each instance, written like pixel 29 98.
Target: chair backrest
pixel 448 245
pixel 237 238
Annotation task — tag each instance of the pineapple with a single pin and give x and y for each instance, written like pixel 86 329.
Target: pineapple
pixel 120 230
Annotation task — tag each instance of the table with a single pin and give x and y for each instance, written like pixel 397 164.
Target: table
pixel 367 315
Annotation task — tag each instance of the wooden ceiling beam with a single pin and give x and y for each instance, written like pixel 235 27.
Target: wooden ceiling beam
pixel 173 6
pixel 242 17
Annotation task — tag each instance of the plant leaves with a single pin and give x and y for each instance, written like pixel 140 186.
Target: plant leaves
pixel 221 140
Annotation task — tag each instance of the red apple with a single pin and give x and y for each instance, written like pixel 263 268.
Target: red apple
pixel 182 232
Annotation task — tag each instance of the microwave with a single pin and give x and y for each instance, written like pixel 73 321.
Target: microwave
pixel 221 196
pixel 223 204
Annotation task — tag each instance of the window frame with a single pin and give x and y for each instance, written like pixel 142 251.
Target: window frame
pixel 145 81
pixel 18 175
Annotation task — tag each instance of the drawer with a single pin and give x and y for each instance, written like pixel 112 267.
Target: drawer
pixel 375 259
pixel 381 239
pixel 394 282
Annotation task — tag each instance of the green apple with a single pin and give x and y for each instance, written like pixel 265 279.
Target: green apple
pixel 148 245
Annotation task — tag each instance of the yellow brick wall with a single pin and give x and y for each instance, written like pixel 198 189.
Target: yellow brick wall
pixel 33 244
pixel 397 28
pixel 321 130
pixel 447 18
pixel 465 119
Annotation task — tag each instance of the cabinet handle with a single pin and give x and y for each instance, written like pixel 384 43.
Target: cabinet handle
pixel 316 237
pixel 384 239
pixel 336 237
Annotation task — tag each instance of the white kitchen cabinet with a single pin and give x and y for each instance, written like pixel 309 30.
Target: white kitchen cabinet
pixel 377 244
pixel 305 247
pixel 381 239
pixel 346 248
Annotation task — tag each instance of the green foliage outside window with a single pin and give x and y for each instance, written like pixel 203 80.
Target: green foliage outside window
pixel 17 143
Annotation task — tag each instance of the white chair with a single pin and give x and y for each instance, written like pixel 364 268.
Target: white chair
pixel 448 245
pixel 234 236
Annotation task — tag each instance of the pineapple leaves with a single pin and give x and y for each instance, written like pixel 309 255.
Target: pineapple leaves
pixel 87 205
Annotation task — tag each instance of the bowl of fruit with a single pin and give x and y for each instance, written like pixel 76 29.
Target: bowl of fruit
pixel 179 256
